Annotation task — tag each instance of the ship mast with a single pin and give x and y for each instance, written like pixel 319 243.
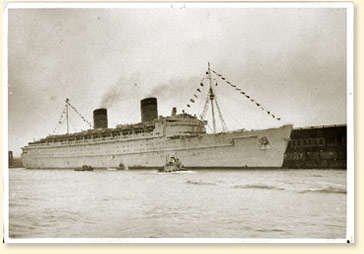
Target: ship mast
pixel 212 96
pixel 67 115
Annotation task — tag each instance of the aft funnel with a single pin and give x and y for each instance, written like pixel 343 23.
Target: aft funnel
pixel 100 118
pixel 148 109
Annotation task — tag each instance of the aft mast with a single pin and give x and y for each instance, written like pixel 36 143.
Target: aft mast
pixel 67 101
pixel 65 117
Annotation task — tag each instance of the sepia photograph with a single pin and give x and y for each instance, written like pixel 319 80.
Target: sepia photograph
pixel 178 123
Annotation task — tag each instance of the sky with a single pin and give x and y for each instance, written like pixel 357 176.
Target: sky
pixel 291 61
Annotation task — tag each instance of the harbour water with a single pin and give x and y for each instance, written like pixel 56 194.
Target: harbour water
pixel 280 204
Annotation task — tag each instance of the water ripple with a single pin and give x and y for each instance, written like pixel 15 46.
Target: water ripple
pixel 329 189
pixel 199 183
pixel 258 186
pixel 50 203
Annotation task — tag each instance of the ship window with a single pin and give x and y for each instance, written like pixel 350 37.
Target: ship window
pixel 330 141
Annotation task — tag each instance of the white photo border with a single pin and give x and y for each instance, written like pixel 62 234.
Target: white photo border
pixel 349 6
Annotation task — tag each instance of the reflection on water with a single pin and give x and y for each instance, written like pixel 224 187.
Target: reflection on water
pixel 207 204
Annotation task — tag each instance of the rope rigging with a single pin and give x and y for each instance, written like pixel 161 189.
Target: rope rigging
pixel 60 122
pixel 84 119
pixel 211 98
pixel 257 104
pixel 204 111
pixel 223 124
pixel 198 90
pixel 64 117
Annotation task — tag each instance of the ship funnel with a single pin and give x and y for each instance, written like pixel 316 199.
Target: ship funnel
pixel 174 111
pixel 100 118
pixel 148 109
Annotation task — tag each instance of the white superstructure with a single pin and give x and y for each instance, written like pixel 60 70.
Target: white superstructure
pixel 146 145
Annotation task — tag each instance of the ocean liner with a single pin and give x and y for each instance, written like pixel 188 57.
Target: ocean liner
pixel 147 143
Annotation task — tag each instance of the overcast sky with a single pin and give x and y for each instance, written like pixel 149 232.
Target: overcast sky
pixel 291 61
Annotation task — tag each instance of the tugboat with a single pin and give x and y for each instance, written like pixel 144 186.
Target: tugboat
pixel 84 168
pixel 122 166
pixel 173 164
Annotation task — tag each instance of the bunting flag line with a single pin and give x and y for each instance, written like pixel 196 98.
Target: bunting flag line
pixel 61 119
pixel 247 96
pixel 232 85
pixel 198 90
pixel 79 114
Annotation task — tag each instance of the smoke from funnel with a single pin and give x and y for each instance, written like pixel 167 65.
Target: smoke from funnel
pixel 122 90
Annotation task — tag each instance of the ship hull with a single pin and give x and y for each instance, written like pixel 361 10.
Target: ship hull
pixel 238 149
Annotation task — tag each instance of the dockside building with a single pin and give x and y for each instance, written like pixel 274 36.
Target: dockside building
pixel 317 147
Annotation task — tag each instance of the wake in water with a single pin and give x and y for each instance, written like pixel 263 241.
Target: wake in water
pixel 176 172
pixel 199 183
pixel 258 186
pixel 326 189
pixel 329 189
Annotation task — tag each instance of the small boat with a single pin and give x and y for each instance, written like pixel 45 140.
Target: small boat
pixel 172 165
pixel 122 166
pixel 84 168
